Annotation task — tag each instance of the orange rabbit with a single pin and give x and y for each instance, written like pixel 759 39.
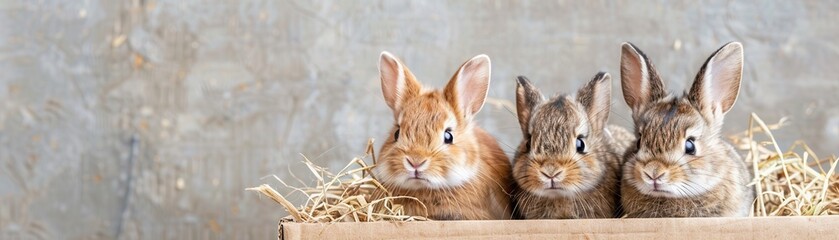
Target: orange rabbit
pixel 435 152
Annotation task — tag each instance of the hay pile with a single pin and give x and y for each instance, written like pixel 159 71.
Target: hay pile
pixel 791 183
pixel 341 197
pixel 787 183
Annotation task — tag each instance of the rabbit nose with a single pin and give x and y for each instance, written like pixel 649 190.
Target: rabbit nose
pixel 551 174
pixel 415 163
pixel 655 176
pixel 654 170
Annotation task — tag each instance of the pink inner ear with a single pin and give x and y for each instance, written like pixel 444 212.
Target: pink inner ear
pixel 596 98
pixel 633 76
pixel 722 88
pixel 724 77
pixel 602 100
pixel 392 77
pixel 473 83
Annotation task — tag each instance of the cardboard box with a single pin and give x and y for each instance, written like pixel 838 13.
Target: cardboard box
pixel 823 227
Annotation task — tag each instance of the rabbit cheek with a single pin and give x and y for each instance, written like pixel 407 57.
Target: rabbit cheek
pixel 460 174
pixel 527 175
pixel 700 177
pixel 391 171
pixel 575 181
pixel 589 170
pixel 382 172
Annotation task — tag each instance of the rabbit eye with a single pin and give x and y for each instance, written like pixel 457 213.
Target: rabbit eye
pixel 690 147
pixel 581 145
pixel 638 144
pixel 396 135
pixel 447 136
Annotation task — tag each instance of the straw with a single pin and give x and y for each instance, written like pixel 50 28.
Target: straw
pixel 785 182
pixel 344 196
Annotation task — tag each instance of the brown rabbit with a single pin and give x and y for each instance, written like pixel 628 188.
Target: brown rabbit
pixel 568 163
pixel 680 166
pixel 435 151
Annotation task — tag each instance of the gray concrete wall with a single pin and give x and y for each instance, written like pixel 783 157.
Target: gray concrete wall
pixel 147 119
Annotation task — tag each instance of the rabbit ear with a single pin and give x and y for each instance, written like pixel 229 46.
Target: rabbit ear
pixel 398 83
pixel 639 80
pixel 467 90
pixel 596 98
pixel 527 98
pixel 717 84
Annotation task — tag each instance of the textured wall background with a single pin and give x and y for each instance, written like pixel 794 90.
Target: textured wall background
pixel 147 119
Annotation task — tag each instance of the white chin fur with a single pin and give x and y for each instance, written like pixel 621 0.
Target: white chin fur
pixel 429 182
pixel 664 191
pixel 457 176
pixel 567 192
pixel 677 190
pixel 555 193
